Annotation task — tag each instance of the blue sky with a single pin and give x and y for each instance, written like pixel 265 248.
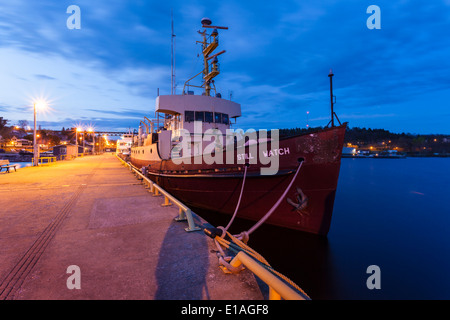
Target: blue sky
pixel 277 60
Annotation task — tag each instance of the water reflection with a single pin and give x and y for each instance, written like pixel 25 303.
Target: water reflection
pixel 389 213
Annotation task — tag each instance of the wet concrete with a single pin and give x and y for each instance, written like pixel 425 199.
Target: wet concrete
pixel 93 213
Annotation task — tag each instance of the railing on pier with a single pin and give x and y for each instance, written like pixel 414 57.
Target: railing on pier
pixel 44 160
pixel 66 157
pixel 185 213
pixel 278 289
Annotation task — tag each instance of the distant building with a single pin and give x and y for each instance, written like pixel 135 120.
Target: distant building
pixel 348 151
pixel 66 151
pixel 20 142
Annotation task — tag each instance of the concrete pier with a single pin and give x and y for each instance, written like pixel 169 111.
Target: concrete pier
pixel 92 213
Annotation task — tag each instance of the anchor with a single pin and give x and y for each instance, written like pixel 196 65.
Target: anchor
pixel 302 202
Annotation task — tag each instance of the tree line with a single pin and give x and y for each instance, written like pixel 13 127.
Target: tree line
pixel 381 138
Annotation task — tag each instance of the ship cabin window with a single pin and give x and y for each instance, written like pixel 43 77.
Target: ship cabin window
pixel 189 116
pixel 217 117
pixel 208 116
pixel 199 116
pixel 221 118
pixel 225 118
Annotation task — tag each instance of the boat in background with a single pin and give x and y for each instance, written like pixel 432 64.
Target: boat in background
pixel 175 149
pixel 123 146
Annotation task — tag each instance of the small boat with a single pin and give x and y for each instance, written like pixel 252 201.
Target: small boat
pixel 123 145
pixel 192 150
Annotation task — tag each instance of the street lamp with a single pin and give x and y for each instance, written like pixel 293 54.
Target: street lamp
pixel 104 142
pixel 38 105
pixel 76 137
pixel 84 140
pixel 90 130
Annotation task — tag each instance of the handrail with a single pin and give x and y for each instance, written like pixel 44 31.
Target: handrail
pixel 146 126
pixel 40 160
pixel 277 288
pixel 185 213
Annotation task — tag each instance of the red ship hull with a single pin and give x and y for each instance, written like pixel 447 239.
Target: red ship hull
pixel 308 204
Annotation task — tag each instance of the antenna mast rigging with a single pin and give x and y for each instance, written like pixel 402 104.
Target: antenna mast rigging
pixel 173 59
pixel 209 44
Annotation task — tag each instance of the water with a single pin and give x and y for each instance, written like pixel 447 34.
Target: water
pixel 21 165
pixel 392 213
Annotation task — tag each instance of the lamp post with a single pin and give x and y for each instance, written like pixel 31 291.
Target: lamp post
pixel 78 129
pixel 35 151
pixel 91 131
pixel 38 105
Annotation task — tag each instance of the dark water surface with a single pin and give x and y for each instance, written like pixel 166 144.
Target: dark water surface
pixel 392 213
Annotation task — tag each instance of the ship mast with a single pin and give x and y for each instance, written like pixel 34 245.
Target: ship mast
pixel 332 100
pixel 331 96
pixel 210 62
pixel 172 59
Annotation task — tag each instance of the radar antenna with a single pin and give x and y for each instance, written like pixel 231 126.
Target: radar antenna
pixel 211 63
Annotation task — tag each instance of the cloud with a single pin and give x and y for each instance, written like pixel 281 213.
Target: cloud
pixel 276 63
pixel 75 93
pixel 43 77
pixel 4 108
pixel 130 113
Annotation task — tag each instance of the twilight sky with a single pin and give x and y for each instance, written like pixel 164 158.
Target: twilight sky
pixel 279 54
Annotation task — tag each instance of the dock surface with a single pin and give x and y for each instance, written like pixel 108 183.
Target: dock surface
pixel 94 214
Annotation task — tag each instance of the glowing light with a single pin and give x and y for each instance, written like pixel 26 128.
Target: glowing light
pixel 40 105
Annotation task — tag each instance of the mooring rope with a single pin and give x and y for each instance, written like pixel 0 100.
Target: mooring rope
pixel 239 242
pixel 239 201
pixel 244 235
pixel 269 213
